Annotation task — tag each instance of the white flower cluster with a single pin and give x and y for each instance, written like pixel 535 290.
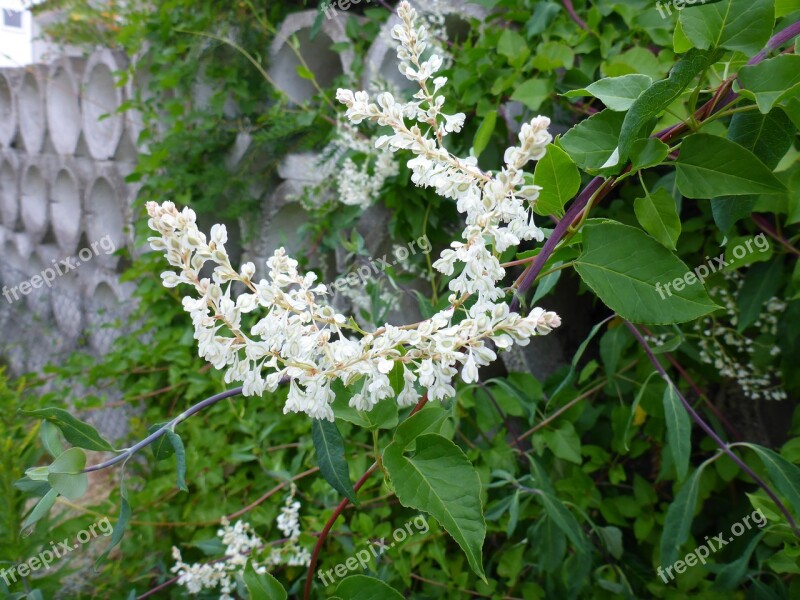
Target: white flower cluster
pixel 242 544
pixel 735 355
pixel 303 340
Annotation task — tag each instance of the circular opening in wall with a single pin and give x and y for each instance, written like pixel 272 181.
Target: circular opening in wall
pixel 104 216
pixel 63 110
pixel 31 117
pixel 9 200
pixel 66 207
pixel 34 201
pixel 101 98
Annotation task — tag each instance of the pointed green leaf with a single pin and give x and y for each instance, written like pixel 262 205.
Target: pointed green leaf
pixel 711 166
pixel 41 509
pixel 484 133
pixel 564 520
pixel 440 480
pixel 783 474
pixel 564 442
pixel 592 141
pixel 559 179
pixel 762 282
pixel 262 586
pixel 772 81
pixel 427 420
pixel 331 459
pixel 742 25
pixel 648 152
pixel 76 432
pixel 49 436
pixel 680 515
pixel 629 271
pixel 657 213
pixel 120 525
pixel 679 431
pixel 617 93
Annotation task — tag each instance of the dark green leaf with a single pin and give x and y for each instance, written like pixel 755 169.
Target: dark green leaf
pixel 658 214
pixel 741 25
pixel 180 455
pixel 679 431
pixel 484 133
pixel 361 587
pixel 559 179
pixel 76 432
pixel 331 459
pixel 678 520
pixel 592 141
pixel 262 586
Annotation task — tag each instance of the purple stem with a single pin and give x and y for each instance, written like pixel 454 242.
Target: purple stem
pixel 707 428
pixel 571 10
pixel 163 430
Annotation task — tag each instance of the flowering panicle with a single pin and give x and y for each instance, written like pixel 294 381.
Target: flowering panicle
pixel 304 340
pixel 243 544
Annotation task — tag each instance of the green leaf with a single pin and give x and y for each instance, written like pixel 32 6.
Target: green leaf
pixel 559 179
pixel 630 272
pixel 760 284
pixel 564 442
pixel 162 448
pixel 771 81
pixel 592 141
pixel 440 480
pixel 70 461
pixel 69 485
pixel 76 432
pixel 679 431
pixel 648 152
pixel 564 520
pixel 41 509
pixel 711 166
pixel 180 455
pixel 331 459
pixel 783 474
pixel 732 574
pixel 262 586
pixel 635 404
pixel 740 25
pixel 484 133
pixel 361 587
pixel 304 72
pixel 657 213
pixel 617 93
pixel 382 416
pixel 679 517
pixel 514 47
pixel 121 524
pixel 553 55
pixel 427 420
pixel 533 93
pixel 50 440
pixel 653 101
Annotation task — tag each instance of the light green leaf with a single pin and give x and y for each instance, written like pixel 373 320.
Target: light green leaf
pixel 48 433
pixel 440 480
pixel 628 270
pixel 69 485
pixel 69 461
pixel 772 81
pixel 592 141
pixel 559 179
pixel 41 509
pixel 679 431
pixel 484 133
pixel 514 47
pixel 741 25
pixel 657 213
pixel 361 587
pixel 617 93
pixel 564 442
pixel 711 166
pixel 331 459
pixel 648 152
pixel 76 432
pixel 553 55
pixel 262 586
pixel 785 7
pixel 678 520
pixel 533 93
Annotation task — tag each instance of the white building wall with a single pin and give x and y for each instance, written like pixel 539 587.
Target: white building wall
pixel 16 34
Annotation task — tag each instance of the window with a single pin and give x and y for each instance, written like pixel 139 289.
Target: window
pixel 12 18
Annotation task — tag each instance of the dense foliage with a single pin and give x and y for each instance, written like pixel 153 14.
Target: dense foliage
pixel 675 192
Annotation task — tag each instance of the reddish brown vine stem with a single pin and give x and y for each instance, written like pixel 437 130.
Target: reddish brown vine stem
pixel 338 511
